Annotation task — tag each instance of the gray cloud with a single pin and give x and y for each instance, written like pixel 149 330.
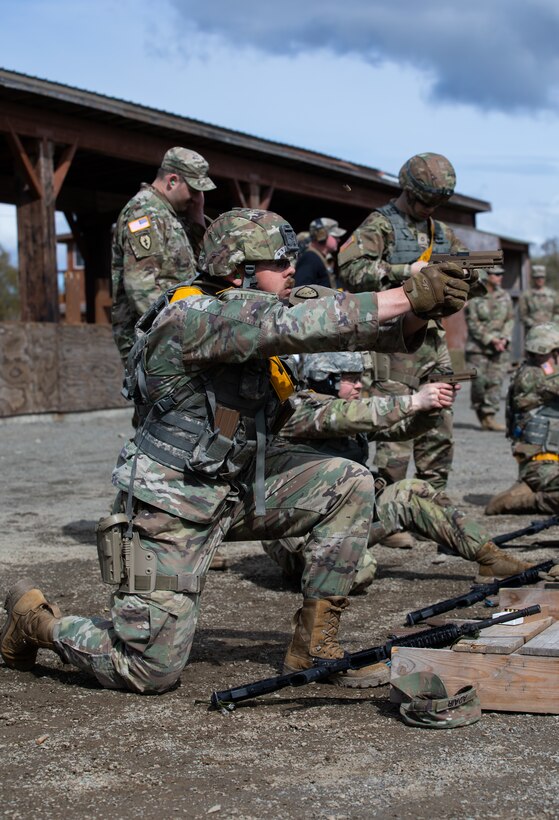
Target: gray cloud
pixel 499 55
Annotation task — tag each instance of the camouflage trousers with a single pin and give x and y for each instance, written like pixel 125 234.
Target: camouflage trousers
pixel 543 478
pixel 432 451
pixel 487 386
pixel 412 505
pixel 145 643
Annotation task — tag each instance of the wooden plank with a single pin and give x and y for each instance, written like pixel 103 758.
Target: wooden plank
pixel 496 646
pixel 531 626
pixel 546 643
pixel 505 683
pixel 90 371
pixel 526 596
pixel 28 368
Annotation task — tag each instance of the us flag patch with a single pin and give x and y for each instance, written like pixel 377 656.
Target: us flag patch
pixel 140 224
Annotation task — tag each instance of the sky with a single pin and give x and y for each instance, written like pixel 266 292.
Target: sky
pixel 369 81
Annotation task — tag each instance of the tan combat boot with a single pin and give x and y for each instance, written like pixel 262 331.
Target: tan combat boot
pixel 489 422
pixel 398 541
pixel 315 639
pixel 29 626
pixel 517 499
pixel 495 563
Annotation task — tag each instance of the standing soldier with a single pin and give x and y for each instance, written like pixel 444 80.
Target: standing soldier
pixel 157 238
pixel 539 303
pixel 392 244
pixel 490 319
pixel 315 265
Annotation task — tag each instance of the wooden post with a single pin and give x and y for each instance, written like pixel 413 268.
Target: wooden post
pixel 36 232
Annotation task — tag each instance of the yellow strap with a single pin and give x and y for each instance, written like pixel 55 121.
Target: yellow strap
pixel 545 457
pixel 426 255
pixel 281 381
pixel 185 292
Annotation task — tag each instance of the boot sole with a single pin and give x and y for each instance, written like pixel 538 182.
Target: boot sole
pixel 14 594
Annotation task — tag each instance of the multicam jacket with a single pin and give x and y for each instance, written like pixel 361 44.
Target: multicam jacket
pixel 151 251
pixel 537 306
pixel 488 317
pixel 531 389
pixel 366 260
pixel 196 336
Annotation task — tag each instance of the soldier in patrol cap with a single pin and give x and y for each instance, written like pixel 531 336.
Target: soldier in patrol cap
pixel 393 244
pixel 539 303
pixel 157 239
pixel 315 266
pixel 205 368
pixel 533 427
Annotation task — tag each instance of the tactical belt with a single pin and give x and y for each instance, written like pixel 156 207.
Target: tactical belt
pixel 169 583
pixel 545 457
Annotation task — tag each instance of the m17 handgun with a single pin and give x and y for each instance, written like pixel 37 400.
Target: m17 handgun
pixel 452 377
pixel 468 260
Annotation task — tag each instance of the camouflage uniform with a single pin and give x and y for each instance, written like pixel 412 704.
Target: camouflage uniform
pixel 532 388
pixel 538 305
pixel 182 514
pixel 153 248
pixel 488 317
pixel 365 264
pixel 329 425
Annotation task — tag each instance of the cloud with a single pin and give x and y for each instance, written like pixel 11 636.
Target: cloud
pixel 499 55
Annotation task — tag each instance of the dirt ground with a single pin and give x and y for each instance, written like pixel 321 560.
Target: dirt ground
pixel 71 749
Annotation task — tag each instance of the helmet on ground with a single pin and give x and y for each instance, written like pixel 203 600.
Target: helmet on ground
pixel 323 371
pixel 542 339
pixel 244 236
pixel 430 177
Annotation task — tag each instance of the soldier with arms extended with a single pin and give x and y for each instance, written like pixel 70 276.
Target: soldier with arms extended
pixel 156 239
pixel 196 471
pixel 533 427
pixel 539 303
pixel 490 319
pixel 336 420
pixel 393 244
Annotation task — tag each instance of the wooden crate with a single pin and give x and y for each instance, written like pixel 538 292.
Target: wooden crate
pixel 514 669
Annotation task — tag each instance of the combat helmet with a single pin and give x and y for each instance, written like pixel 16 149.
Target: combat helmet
pixel 542 339
pixel 323 371
pixel 242 237
pixel 429 177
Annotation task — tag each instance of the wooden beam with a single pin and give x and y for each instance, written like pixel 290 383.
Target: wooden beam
pixel 64 166
pixel 24 163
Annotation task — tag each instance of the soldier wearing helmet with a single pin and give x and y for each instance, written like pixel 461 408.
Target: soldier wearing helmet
pixel 393 244
pixel 490 320
pixel 206 372
pixel 539 303
pixel 533 427
pixel 332 419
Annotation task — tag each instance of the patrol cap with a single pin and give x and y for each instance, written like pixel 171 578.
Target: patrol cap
pixel 189 165
pixel 538 271
pixel 425 702
pixel 323 227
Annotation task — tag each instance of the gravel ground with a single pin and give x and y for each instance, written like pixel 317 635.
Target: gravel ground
pixel 72 749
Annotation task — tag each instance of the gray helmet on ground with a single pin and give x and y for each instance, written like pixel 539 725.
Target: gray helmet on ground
pixel 542 339
pixel 244 236
pixel 430 177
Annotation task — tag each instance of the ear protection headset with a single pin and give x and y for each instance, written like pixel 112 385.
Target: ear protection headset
pixel 320 231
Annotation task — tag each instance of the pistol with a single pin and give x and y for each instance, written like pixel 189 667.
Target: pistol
pixel 470 259
pixel 452 377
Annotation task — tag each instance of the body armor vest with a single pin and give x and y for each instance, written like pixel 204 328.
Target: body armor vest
pixel 354 448
pixel 539 427
pixel 406 248
pixel 216 422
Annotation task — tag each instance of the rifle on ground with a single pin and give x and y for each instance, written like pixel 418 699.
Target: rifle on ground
pixel 479 593
pixel 532 529
pixel 436 637
pixel 452 377
pixel 468 260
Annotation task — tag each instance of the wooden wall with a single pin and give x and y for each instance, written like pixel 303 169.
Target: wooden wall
pixel 54 368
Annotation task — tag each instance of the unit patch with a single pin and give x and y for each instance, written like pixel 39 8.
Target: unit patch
pixel 145 241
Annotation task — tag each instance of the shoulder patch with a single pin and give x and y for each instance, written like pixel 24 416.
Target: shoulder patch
pixel 348 242
pixel 140 224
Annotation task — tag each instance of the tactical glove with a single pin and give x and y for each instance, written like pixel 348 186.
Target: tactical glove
pixel 437 290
